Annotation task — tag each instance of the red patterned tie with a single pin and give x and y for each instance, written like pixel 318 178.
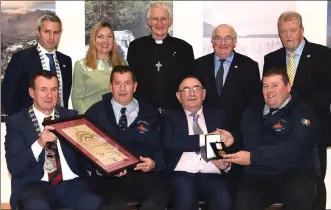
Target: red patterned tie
pixel 56 176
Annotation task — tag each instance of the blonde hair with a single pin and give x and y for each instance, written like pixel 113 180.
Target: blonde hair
pixel 91 57
pixel 288 16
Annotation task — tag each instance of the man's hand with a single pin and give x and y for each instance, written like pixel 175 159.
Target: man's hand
pixel 240 158
pixel 47 136
pixel 146 165
pixel 221 164
pixel 123 173
pixel 226 137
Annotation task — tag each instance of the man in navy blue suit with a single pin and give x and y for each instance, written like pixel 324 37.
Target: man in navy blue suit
pixel 190 176
pixel 46 173
pixel 25 63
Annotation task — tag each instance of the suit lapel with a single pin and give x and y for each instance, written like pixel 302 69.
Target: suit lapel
pixel 35 58
pixel 211 124
pixel 302 65
pixel 232 73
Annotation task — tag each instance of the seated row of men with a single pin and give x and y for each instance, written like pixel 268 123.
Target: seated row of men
pixel 279 156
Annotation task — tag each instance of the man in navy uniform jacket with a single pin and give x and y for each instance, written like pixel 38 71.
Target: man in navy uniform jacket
pixel 27 141
pixel 280 138
pixel 135 125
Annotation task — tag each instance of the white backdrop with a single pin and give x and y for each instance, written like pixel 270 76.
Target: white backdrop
pixel 188 25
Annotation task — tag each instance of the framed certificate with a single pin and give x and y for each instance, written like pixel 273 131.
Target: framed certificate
pixel 214 147
pixel 101 149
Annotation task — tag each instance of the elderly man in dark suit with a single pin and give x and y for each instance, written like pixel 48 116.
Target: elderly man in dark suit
pixel 190 176
pixel 43 56
pixel 46 173
pixel 232 80
pixel 309 68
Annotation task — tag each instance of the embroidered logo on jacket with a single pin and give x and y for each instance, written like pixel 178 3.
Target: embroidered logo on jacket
pixel 142 126
pixel 278 126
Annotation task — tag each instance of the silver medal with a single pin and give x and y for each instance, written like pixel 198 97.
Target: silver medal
pixel 50 162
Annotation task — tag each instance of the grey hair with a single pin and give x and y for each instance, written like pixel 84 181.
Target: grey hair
pixel 288 16
pixel 234 33
pixel 50 17
pixel 160 5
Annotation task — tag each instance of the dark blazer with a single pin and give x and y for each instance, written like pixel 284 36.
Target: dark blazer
pixel 139 142
pixel 242 86
pixel 175 134
pixel 283 142
pixel 21 163
pixel 179 57
pixel 312 81
pixel 22 66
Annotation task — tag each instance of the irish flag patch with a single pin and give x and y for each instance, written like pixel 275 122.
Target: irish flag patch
pixel 305 122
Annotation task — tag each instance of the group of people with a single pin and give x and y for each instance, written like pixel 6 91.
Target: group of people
pixel 160 104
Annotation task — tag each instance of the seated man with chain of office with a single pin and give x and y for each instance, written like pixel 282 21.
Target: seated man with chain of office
pixel 135 125
pixel 189 175
pixel 280 136
pixel 46 173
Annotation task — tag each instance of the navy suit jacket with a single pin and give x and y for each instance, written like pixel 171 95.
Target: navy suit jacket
pixel 22 66
pixel 175 134
pixel 242 87
pixel 21 163
pixel 312 81
pixel 140 143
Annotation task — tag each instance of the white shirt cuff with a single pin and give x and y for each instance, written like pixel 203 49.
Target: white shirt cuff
pixel 36 150
pixel 202 140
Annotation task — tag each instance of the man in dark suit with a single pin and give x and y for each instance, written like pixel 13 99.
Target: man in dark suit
pixel 24 64
pixel 135 125
pixel 46 173
pixel 159 60
pixel 309 68
pixel 232 80
pixel 189 175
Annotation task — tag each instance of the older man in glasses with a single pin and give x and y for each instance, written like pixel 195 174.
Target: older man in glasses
pixel 190 176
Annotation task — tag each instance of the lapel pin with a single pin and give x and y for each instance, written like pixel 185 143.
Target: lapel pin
pixel 64 66
pixel 308 56
pixel 236 67
pixel 174 53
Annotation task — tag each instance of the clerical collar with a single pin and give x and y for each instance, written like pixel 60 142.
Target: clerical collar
pixel 159 41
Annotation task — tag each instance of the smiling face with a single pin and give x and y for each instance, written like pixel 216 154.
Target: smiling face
pixel 45 94
pixel 49 35
pixel 104 41
pixel 291 34
pixel 123 87
pixel 191 94
pixel 159 21
pixel 275 91
pixel 224 41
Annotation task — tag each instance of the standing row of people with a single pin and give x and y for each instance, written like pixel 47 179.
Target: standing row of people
pixel 231 80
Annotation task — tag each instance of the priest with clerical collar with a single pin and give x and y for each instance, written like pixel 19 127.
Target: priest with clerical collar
pixel 160 61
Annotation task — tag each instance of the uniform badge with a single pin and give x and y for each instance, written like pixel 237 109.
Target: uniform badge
pixel 305 122
pixel 278 126
pixel 142 126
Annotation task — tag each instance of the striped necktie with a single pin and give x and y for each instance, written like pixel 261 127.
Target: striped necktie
pixel 291 67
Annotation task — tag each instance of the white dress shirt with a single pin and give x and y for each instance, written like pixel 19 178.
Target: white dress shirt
pixel 37 149
pixel 190 161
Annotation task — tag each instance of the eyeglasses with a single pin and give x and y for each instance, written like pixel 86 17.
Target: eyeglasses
pixel 157 19
pixel 226 39
pixel 195 89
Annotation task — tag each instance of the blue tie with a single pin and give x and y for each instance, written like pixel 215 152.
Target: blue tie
pixel 51 63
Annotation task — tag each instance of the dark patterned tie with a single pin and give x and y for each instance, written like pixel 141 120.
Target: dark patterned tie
pixel 123 121
pixel 51 63
pixel 56 176
pixel 270 113
pixel 196 131
pixel 219 77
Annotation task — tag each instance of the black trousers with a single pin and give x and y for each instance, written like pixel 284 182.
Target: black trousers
pixel 296 190
pixel 68 194
pixel 143 187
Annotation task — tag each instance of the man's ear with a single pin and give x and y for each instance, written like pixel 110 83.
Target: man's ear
pixel 135 85
pixel 178 97
pixel 31 92
pixel 110 87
